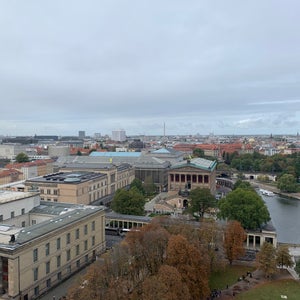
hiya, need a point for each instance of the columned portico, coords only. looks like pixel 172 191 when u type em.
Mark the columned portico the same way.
pixel 192 174
pixel 255 239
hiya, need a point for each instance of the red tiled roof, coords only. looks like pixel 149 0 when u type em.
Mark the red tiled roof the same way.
pixel 39 162
pixel 184 147
pixel 9 172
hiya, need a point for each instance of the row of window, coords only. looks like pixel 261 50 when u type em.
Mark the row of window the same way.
pixel 48 199
pixel 58 275
pixel 94 187
pixel 186 178
pixel 48 192
pixel 68 241
pixel 58 259
pixel 12 214
pixel 96 195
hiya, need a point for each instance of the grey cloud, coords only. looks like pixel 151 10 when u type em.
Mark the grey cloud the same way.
pixel 199 66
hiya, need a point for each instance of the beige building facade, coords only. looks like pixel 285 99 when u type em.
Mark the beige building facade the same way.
pixel 63 239
pixel 10 175
pixel 33 169
pixel 118 176
pixel 70 187
pixel 190 174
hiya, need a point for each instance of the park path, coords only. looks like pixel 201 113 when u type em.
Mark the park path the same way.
pixel 249 282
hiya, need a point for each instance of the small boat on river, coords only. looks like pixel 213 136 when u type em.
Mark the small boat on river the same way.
pixel 266 193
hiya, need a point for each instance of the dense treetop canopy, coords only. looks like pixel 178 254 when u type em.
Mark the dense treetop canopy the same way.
pixel 245 206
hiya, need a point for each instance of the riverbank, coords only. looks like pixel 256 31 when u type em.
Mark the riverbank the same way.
pixel 274 189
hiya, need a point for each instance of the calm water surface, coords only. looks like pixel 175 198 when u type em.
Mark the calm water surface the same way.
pixel 285 214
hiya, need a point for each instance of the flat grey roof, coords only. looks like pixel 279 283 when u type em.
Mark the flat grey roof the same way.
pixel 9 196
pixel 67 177
pixel 114 215
pixel 63 215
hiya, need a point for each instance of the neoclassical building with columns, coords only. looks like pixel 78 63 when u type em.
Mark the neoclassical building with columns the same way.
pixel 190 174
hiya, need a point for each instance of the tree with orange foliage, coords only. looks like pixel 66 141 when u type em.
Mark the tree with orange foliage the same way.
pixel 266 259
pixel 93 285
pixel 211 240
pixel 234 240
pixel 147 247
pixel 167 285
pixel 191 264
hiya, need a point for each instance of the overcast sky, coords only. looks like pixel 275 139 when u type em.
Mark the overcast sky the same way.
pixel 227 67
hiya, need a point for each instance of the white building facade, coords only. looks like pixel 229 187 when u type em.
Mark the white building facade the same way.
pixel 119 135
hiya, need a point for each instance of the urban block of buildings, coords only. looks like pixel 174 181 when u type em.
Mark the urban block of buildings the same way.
pixel 42 243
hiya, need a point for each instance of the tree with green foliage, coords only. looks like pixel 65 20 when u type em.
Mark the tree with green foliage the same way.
pixel 201 200
pixel 287 183
pixel 242 184
pixel 22 157
pixel 245 206
pixel 266 259
pixel 129 202
pixel 198 152
pixel 297 267
pixel 283 257
pixel 138 184
pixel 79 153
pixel 149 186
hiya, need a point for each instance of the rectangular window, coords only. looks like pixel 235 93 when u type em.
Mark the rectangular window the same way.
pixel 36 291
pixel 55 192
pixel 48 192
pixel 77 234
pixel 86 258
pixel 35 274
pixel 78 263
pixel 58 261
pixel 85 229
pixel 33 222
pixel 47 249
pixel 93 240
pixel 93 226
pixel 68 238
pixel 23 211
pixel 12 214
pixel 1 218
pixel 58 244
pixel 47 267
pixel 77 249
pixel 68 255
pixel 48 283
pixel 35 254
pixel 85 245
pixel 42 191
pixel 59 276
pixel 23 224
pixel 69 269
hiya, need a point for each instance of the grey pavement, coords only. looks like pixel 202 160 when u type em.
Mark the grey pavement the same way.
pixel 62 289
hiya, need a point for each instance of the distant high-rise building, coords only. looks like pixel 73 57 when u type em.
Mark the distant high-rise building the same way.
pixel 119 135
pixel 97 135
pixel 81 134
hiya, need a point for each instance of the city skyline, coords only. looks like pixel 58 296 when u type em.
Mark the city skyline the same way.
pixel 199 67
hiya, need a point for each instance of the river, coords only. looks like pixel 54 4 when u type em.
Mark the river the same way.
pixel 285 216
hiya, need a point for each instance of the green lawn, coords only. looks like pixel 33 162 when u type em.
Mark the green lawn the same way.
pixel 273 290
pixel 230 275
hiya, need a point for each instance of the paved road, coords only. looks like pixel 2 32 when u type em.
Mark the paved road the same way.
pixel 62 289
